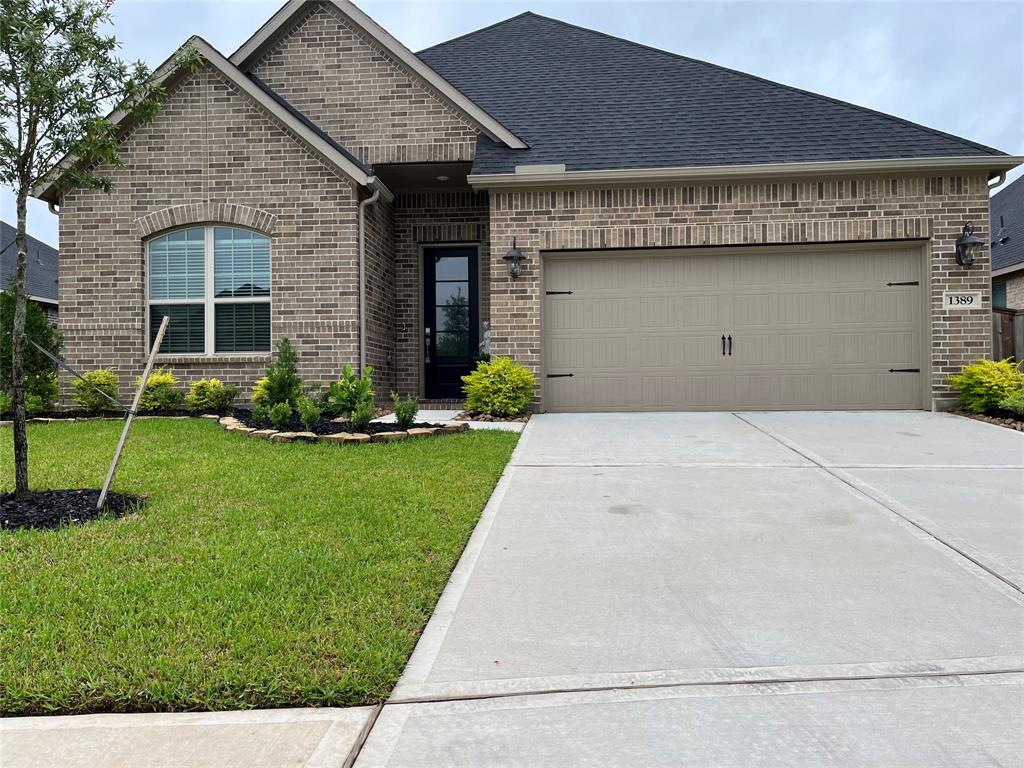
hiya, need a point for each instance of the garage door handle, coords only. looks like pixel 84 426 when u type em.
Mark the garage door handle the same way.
pixel 723 345
pixel 560 375
pixel 904 370
pixel 906 282
pixel 730 345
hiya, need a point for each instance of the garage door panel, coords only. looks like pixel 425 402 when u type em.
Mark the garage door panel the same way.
pixel 809 330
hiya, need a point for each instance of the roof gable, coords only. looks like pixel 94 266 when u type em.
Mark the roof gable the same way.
pixel 607 103
pixel 43 264
pixel 1008 205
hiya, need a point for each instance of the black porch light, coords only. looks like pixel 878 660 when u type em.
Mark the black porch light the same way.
pixel 514 258
pixel 968 247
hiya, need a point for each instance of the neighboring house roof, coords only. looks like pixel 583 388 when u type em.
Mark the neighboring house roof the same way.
pixel 314 139
pixel 1008 239
pixel 593 101
pixel 282 21
pixel 42 269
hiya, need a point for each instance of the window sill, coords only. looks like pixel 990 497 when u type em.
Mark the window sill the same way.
pixel 230 357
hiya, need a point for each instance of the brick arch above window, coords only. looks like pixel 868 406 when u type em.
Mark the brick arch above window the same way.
pixel 203 213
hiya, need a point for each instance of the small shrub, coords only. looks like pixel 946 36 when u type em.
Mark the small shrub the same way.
pixel 34 405
pixel 309 413
pixel 85 394
pixel 44 386
pixel 500 387
pixel 405 410
pixel 210 395
pixel 1014 403
pixel 161 392
pixel 344 396
pixel 40 371
pixel 363 415
pixel 6 403
pixel 261 413
pixel 282 383
pixel 280 415
pixel 983 384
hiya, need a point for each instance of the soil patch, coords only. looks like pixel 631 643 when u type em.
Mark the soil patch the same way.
pixel 57 508
pixel 478 416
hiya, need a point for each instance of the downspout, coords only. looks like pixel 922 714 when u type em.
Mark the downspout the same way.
pixel 372 183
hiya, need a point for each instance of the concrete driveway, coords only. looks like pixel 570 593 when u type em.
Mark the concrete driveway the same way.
pixel 784 589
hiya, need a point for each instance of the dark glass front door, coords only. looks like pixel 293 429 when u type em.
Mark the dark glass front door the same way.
pixel 451 317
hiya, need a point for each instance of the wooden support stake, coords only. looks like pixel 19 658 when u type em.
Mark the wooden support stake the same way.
pixel 131 414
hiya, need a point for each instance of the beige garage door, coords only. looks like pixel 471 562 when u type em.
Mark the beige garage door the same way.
pixel 755 329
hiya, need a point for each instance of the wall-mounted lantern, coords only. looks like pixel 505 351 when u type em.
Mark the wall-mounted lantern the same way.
pixel 514 258
pixel 968 247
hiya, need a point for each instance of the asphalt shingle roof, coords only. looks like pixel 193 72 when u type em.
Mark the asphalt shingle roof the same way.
pixel 43 264
pixel 1008 203
pixel 593 101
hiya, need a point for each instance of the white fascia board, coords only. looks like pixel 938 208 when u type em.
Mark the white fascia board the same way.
pixel 1008 270
pixel 269 32
pixel 988 163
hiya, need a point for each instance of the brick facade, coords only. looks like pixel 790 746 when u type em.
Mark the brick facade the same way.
pixel 923 208
pixel 1014 291
pixel 360 96
pixel 426 219
pixel 211 155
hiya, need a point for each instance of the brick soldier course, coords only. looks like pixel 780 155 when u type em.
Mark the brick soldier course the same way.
pixel 219 153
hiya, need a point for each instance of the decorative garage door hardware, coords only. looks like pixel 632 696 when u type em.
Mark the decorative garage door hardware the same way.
pixel 906 282
pixel 724 340
pixel 561 375
pixel 557 293
pixel 904 370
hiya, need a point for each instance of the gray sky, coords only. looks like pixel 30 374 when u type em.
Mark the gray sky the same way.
pixel 955 66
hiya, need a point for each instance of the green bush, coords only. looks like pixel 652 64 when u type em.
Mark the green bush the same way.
pixel 983 384
pixel 34 405
pixel 344 396
pixel 40 372
pixel 309 412
pixel 363 415
pixel 6 403
pixel 210 395
pixel 282 383
pixel 500 387
pixel 85 394
pixel 161 392
pixel 261 413
pixel 1014 403
pixel 280 415
pixel 405 410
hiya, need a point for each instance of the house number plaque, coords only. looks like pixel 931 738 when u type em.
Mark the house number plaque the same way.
pixel 961 299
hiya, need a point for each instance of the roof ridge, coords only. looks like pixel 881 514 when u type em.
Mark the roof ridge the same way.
pixel 472 32
pixel 793 88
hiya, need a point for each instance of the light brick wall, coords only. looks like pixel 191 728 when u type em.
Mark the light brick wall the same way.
pixel 431 218
pixel 380 296
pixel 364 99
pixel 1015 292
pixel 209 148
pixel 931 209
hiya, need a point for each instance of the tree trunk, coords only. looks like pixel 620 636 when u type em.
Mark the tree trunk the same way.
pixel 18 349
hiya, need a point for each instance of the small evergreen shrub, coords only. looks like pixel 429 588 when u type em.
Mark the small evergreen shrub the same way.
pixel 85 394
pixel 280 415
pixel 405 410
pixel 1014 404
pixel 161 392
pixel 6 403
pixel 282 383
pixel 34 405
pixel 363 415
pixel 261 413
pixel 499 387
pixel 984 384
pixel 344 395
pixel 309 412
pixel 210 395
pixel 40 371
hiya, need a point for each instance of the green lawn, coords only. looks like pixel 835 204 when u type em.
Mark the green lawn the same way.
pixel 257 575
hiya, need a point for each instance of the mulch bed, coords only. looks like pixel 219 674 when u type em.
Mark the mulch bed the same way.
pixel 999 418
pixel 478 416
pixel 55 509
pixel 325 426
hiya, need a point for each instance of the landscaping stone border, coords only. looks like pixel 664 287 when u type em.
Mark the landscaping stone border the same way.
pixel 999 421
pixel 231 424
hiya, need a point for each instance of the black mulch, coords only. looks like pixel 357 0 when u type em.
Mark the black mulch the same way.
pixel 324 427
pixel 54 509
pixel 82 414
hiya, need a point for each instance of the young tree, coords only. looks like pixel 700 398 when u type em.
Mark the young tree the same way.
pixel 59 75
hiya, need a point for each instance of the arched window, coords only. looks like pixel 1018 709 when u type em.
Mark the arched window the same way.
pixel 214 283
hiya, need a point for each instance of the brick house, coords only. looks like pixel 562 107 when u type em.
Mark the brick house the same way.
pixel 42 274
pixel 693 237
pixel 1007 212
